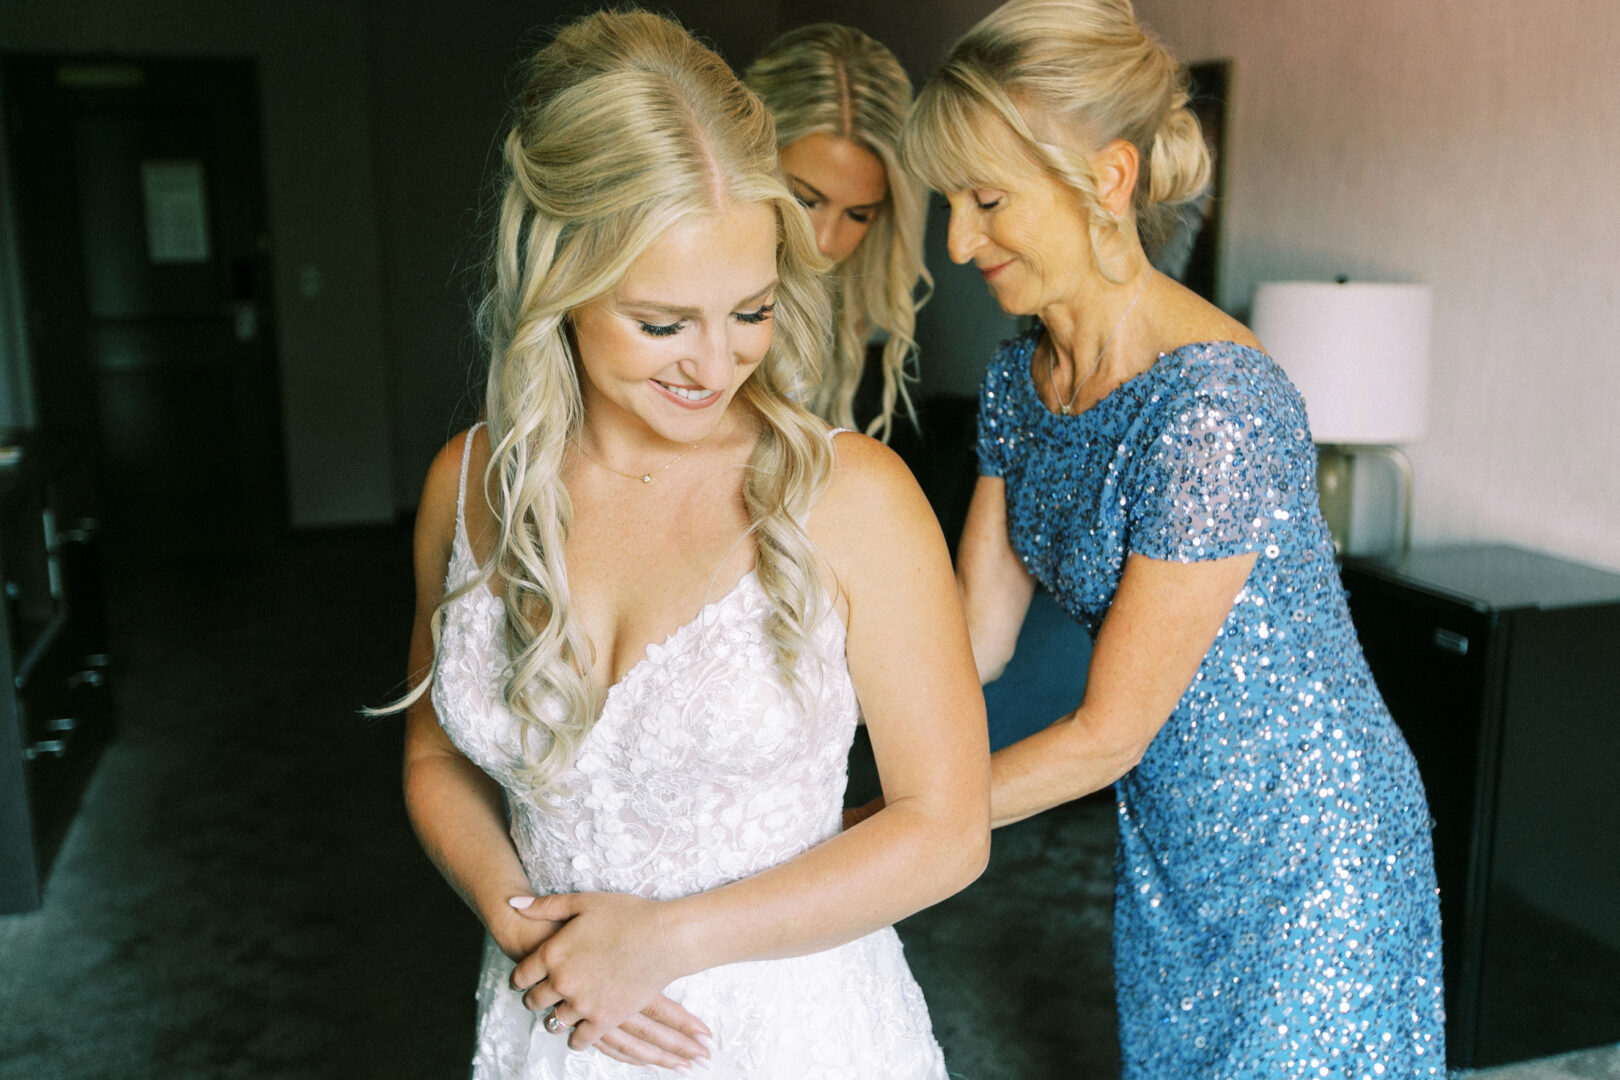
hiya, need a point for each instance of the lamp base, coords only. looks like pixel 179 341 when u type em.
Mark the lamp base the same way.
pixel 1335 476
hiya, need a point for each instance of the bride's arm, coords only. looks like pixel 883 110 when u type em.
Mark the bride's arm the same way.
pixel 458 810
pixel 455 807
pixel 913 670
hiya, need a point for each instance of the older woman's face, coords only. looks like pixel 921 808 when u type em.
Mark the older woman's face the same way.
pixel 1028 236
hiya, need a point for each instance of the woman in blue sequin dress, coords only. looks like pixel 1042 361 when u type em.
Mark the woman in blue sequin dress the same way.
pixel 1147 462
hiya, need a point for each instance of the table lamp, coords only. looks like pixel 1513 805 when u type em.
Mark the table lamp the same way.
pixel 1359 353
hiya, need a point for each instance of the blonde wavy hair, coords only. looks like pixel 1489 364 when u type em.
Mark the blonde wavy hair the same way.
pixel 1065 77
pixel 626 126
pixel 835 80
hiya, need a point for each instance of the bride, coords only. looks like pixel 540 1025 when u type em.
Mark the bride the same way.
pixel 653 595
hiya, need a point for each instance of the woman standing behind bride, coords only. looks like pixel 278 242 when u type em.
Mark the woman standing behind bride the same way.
pixel 839 99
pixel 649 609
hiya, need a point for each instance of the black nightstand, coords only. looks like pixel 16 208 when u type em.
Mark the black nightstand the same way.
pixel 1502 668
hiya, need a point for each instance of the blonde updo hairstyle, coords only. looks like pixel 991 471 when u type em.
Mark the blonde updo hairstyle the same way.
pixel 625 127
pixel 1065 77
pixel 835 80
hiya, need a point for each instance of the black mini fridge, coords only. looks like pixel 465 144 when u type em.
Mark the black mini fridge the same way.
pixel 1502 668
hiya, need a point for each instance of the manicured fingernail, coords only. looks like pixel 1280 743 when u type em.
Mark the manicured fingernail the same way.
pixel 706 1042
pixel 521 902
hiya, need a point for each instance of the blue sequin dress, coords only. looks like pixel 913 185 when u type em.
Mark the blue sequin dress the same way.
pixel 1275 904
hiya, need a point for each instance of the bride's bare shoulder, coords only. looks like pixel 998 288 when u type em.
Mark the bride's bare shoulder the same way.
pixel 441 492
pixel 872 509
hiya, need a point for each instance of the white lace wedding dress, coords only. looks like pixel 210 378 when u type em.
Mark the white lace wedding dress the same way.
pixel 701 770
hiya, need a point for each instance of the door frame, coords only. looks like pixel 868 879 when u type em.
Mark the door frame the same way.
pixel 41 95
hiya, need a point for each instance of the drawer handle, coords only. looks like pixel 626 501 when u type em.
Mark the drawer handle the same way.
pixel 91 677
pixel 1451 641
pixel 53 747
pixel 85 533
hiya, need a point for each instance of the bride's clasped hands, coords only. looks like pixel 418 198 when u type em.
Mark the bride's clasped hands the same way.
pixel 553 968
pixel 607 957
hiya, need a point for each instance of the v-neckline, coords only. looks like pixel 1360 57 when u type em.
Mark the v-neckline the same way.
pixel 462 541
pixel 698 620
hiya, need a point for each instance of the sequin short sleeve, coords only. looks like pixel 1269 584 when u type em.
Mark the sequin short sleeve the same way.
pixel 996 423
pixel 1214 473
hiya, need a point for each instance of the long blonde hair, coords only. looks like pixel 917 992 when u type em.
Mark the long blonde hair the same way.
pixel 833 79
pixel 624 127
pixel 1065 77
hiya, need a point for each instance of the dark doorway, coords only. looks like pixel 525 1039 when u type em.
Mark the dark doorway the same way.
pixel 144 249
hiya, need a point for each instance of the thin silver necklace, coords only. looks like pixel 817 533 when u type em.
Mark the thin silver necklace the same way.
pixel 646 477
pixel 1051 354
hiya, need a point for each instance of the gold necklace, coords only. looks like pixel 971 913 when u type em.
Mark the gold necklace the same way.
pixel 646 477
pixel 1051 354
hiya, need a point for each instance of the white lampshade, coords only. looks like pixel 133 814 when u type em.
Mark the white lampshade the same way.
pixel 1357 351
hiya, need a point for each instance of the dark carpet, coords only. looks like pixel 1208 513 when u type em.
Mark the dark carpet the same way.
pixel 240 895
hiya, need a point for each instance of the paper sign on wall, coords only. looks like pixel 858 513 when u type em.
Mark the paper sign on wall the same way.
pixel 176 215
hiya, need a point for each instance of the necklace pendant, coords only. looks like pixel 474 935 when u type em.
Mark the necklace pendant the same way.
pixel 646 478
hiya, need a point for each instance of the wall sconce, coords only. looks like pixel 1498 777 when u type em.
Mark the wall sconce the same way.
pixel 1359 353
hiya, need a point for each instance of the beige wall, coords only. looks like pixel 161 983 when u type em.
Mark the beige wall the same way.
pixel 315 112
pixel 1473 146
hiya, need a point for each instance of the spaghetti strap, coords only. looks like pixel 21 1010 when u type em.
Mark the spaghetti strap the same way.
pixel 832 432
pixel 461 492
